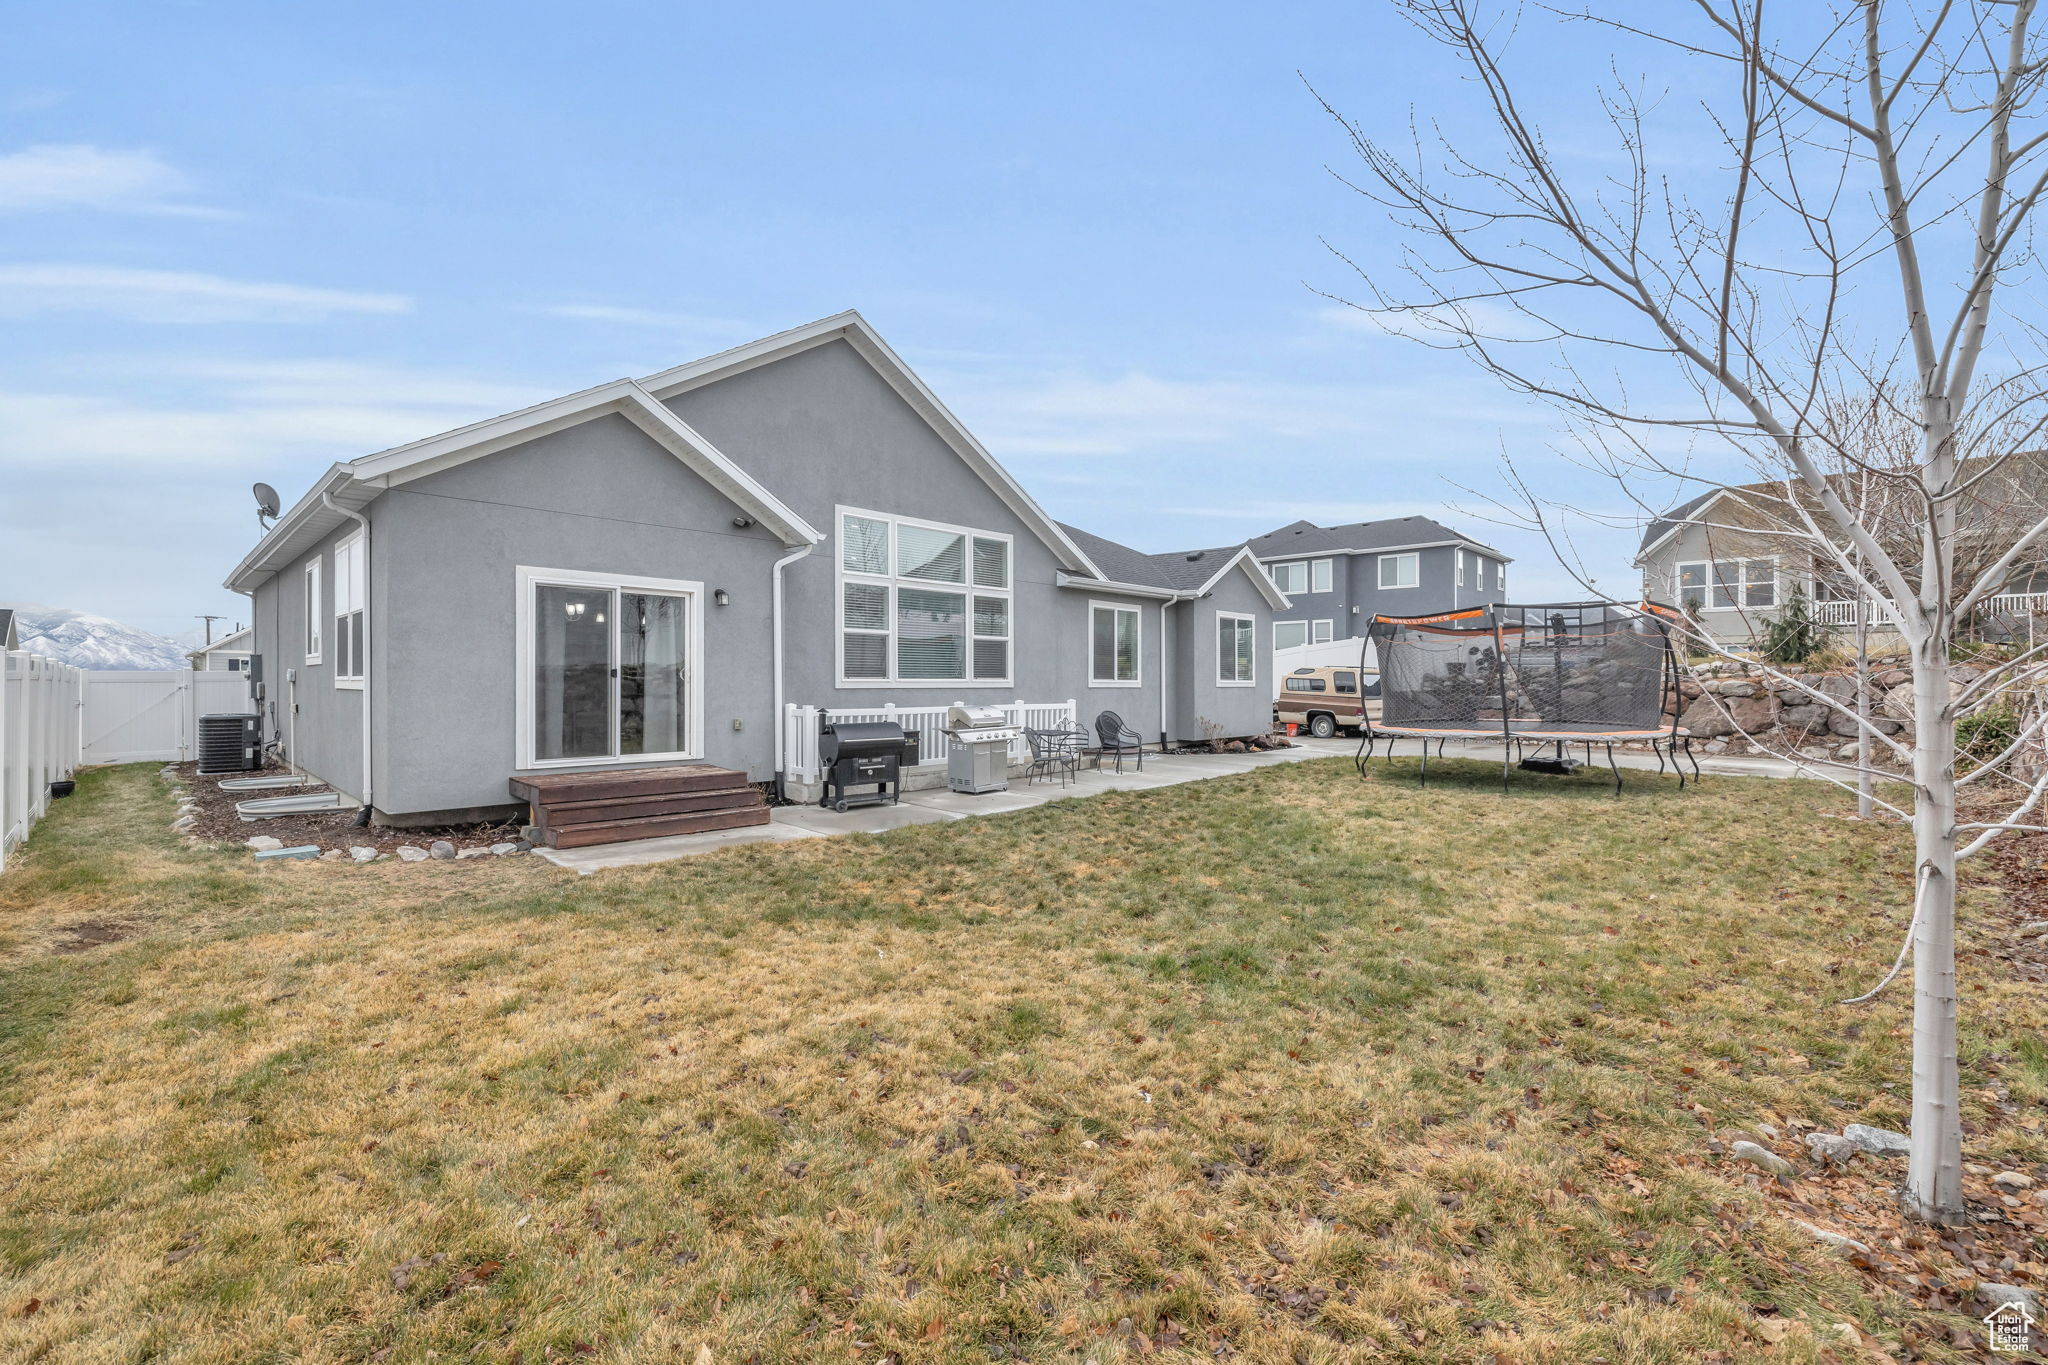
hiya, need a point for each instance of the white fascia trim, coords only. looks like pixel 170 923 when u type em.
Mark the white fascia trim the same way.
pixel 856 331
pixel 1062 579
pixel 1245 559
pixel 359 481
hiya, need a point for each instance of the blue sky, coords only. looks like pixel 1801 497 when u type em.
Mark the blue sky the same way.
pixel 240 241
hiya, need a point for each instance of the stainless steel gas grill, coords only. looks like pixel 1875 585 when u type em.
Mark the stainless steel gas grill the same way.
pixel 862 754
pixel 978 754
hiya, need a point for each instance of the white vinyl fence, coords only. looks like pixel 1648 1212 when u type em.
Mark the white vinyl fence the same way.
pixel 152 715
pixel 39 710
pixel 800 729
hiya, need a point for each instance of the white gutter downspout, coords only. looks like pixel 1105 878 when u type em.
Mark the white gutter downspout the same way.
pixel 369 651
pixel 775 629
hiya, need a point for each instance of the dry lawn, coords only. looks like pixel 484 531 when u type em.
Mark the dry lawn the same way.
pixel 1278 1068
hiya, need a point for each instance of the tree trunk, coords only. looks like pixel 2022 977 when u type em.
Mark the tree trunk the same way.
pixel 1934 1176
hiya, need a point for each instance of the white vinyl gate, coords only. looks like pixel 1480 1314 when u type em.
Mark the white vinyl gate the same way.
pixel 152 715
pixel 39 709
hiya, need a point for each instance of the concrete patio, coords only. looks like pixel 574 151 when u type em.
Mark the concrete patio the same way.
pixel 933 806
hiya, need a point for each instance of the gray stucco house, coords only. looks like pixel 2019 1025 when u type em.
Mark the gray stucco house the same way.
pixel 1337 578
pixel 656 570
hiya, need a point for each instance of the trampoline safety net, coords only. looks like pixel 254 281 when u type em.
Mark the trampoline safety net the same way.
pixel 1592 669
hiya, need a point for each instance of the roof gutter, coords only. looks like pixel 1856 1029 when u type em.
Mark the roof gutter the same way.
pixel 1073 580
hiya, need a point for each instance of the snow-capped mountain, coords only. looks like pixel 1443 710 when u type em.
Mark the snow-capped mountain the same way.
pixel 86 641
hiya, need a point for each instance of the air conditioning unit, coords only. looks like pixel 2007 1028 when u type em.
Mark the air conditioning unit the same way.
pixel 230 744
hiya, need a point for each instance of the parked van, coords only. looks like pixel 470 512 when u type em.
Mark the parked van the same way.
pixel 1324 700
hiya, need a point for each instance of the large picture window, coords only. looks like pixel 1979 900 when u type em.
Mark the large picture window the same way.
pixel 607 668
pixel 921 603
pixel 1234 664
pixel 351 594
pixel 1729 583
pixel 1400 571
pixel 1112 645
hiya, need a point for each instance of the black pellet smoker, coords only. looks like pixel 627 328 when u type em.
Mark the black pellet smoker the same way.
pixel 862 753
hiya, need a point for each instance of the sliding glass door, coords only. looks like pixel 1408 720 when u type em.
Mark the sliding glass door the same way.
pixel 608 671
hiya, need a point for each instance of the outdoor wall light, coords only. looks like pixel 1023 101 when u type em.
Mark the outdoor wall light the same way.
pixel 721 596
pixel 743 521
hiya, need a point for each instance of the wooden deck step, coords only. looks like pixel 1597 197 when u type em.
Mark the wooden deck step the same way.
pixel 550 788
pixel 558 813
pixel 651 827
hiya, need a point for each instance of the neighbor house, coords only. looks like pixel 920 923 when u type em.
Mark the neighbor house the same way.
pixel 1734 556
pixel 228 654
pixel 659 571
pixel 1338 578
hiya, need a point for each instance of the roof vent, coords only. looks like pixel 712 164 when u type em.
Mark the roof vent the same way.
pixel 1196 555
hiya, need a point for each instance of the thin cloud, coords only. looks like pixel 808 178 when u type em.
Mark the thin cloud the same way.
pixel 173 296
pixel 272 415
pixel 79 175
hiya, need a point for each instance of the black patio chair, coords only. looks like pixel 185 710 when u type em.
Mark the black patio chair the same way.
pixel 1118 739
pixel 1053 751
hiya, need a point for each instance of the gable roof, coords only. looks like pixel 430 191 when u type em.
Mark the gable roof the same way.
pixel 1391 533
pixel 227 642
pixel 854 329
pixel 352 485
pixel 1191 573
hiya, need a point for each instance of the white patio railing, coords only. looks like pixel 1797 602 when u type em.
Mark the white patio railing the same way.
pixel 2016 604
pixel 800 729
pixel 40 701
pixel 1845 613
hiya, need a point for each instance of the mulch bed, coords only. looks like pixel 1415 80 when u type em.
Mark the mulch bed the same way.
pixel 216 821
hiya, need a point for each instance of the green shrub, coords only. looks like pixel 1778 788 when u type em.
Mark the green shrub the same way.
pixel 1793 636
pixel 1985 735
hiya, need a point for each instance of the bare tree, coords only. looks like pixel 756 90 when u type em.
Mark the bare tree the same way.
pixel 1870 199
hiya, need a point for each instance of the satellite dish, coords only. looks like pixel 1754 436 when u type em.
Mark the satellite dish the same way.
pixel 266 500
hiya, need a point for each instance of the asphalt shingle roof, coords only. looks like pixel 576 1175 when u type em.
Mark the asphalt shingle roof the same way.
pixel 1305 537
pixel 1181 571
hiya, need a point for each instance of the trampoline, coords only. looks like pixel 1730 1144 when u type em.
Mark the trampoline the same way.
pixel 1549 678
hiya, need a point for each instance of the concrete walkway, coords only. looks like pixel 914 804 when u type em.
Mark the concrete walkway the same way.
pixel 934 806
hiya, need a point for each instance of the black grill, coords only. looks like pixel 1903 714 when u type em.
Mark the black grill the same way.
pixel 866 753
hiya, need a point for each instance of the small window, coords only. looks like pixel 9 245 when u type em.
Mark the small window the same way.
pixel 1347 683
pixel 1290 578
pixel 1372 685
pixel 1290 634
pixel 316 608
pixel 1319 575
pixel 351 593
pixel 1400 571
pixel 1112 645
pixel 1728 584
pixel 1234 662
pixel 1304 684
pixel 1319 632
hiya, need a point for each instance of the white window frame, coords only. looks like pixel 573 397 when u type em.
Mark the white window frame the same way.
pixel 349 563
pixel 1320 575
pixel 1321 632
pixel 892 580
pixel 1275 572
pixel 529 580
pixel 1279 626
pixel 315 604
pixel 1216 633
pixel 1137 679
pixel 1743 583
pixel 1413 558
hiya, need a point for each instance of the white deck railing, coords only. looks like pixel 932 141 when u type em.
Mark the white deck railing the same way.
pixel 40 700
pixel 800 729
pixel 2016 604
pixel 1845 613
